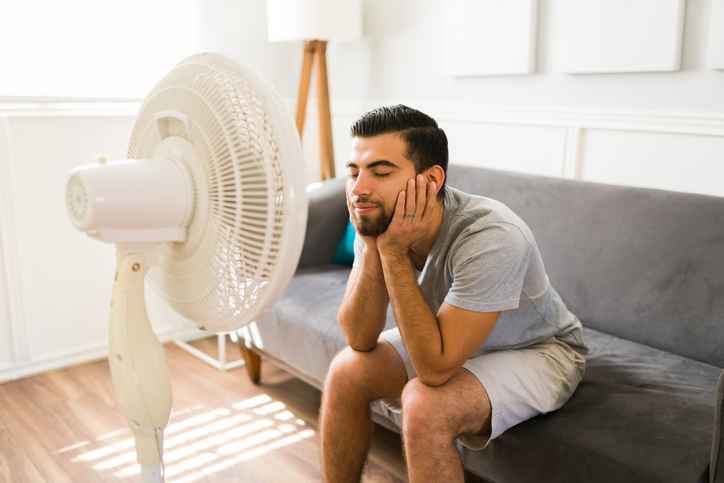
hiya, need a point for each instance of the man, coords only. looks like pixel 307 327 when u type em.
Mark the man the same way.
pixel 483 341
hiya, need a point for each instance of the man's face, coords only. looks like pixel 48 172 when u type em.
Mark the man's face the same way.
pixel 377 171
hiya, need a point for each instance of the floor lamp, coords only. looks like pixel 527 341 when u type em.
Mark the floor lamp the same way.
pixel 315 22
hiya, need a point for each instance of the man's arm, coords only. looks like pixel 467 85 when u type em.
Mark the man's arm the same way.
pixel 363 311
pixel 438 345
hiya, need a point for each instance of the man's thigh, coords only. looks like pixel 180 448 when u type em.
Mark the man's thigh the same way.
pixel 524 383
pixel 463 398
pixel 551 370
pixel 390 370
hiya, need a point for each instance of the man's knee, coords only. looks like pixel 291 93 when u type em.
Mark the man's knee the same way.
pixel 445 411
pixel 423 413
pixel 351 371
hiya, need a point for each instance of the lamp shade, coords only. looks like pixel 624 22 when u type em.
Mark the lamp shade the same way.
pixel 337 20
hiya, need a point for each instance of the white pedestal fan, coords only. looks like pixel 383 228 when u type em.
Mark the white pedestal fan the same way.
pixel 210 204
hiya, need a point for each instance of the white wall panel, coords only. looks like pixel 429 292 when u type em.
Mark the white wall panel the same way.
pixel 620 35
pixel 6 342
pixel 8 337
pixel 677 151
pixel 668 161
pixel 716 35
pixel 490 37
pixel 65 277
pixel 501 146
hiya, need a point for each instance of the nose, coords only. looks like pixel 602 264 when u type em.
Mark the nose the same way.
pixel 362 186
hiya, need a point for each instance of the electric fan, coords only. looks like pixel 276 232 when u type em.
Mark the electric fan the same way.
pixel 210 204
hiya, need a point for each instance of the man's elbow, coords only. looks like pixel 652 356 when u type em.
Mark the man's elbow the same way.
pixel 355 342
pixel 435 378
pixel 361 347
pixel 360 343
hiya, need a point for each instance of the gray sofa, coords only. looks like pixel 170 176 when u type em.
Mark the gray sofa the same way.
pixel 644 271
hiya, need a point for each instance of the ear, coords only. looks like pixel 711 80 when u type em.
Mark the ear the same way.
pixel 436 174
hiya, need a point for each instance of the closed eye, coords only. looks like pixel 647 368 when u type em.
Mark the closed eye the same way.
pixel 377 175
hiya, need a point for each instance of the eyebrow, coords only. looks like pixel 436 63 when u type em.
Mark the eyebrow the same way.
pixel 374 164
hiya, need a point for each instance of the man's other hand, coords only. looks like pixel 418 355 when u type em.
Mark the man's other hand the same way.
pixel 411 219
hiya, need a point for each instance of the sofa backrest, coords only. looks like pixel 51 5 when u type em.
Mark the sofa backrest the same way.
pixel 643 264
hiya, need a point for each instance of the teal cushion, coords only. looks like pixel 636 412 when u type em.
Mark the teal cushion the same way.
pixel 345 248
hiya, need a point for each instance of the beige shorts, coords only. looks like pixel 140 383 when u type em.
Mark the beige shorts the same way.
pixel 521 383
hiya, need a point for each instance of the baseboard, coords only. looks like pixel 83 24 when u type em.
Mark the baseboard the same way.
pixel 84 355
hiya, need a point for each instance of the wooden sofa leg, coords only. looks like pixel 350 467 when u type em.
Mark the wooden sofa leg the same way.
pixel 252 361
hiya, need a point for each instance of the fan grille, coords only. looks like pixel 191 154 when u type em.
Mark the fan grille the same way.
pixel 220 275
pixel 76 197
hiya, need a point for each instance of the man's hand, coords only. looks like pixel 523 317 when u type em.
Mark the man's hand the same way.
pixel 412 216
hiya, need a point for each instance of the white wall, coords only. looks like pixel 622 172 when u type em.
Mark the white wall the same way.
pixel 238 29
pixel 55 282
pixel 402 57
pixel 648 129
pixel 6 336
pixel 82 49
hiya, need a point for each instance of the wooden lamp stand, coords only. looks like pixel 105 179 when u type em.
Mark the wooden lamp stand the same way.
pixel 317 49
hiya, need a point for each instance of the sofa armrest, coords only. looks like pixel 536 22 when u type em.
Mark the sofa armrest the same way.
pixel 716 470
pixel 326 221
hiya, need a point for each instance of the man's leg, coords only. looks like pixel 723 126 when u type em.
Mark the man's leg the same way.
pixel 432 417
pixel 354 380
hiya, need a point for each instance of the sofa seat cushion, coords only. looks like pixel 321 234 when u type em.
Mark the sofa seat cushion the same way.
pixel 302 328
pixel 640 414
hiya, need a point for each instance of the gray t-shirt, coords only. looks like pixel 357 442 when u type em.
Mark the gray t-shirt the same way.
pixel 486 259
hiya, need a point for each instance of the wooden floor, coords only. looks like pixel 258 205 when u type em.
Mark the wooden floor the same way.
pixel 64 426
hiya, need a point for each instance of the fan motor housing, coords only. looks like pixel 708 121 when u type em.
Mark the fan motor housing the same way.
pixel 131 200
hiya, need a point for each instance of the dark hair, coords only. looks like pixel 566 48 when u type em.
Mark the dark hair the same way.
pixel 426 143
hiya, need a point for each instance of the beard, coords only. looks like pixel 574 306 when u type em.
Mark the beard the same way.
pixel 373 225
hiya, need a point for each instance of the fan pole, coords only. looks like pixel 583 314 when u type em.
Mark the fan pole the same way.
pixel 138 363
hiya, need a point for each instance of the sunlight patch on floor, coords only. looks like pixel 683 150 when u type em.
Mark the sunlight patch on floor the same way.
pixel 200 441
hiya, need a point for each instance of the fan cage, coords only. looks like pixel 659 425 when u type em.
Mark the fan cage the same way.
pixel 250 212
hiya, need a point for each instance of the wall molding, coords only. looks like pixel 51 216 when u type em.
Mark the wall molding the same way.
pixel 84 354
pixel 577 124
pixel 574 127
pixel 698 123
pixel 63 107
pixel 572 161
pixel 701 123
